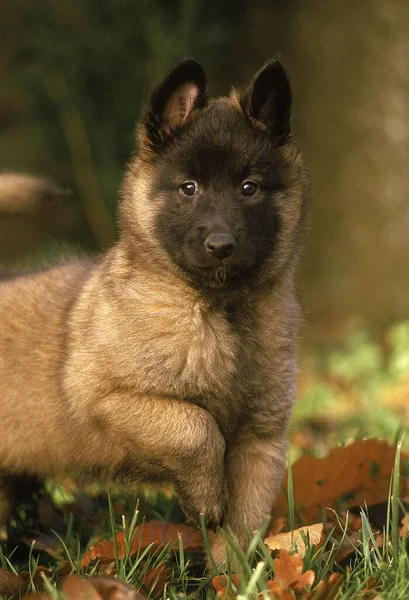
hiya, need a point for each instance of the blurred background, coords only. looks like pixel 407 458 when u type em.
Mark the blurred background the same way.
pixel 74 76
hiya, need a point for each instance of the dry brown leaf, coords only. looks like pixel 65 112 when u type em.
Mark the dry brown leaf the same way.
pixel 278 525
pixel 10 584
pixel 65 569
pixel 224 591
pixel 404 529
pixel 372 589
pixel 99 588
pixel 288 571
pixel 277 592
pixel 326 590
pixel 36 577
pixel 110 588
pixel 158 533
pixel 361 472
pixel 285 541
pixel 162 533
pixel 76 588
pixel 155 580
pixel 352 542
pixel 347 549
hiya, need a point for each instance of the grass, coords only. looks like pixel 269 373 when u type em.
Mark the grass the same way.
pixel 349 391
pixel 387 564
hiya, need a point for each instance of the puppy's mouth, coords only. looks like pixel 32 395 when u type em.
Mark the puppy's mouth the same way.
pixel 219 277
pixel 213 273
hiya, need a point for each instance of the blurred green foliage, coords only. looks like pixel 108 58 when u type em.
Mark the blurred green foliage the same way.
pixel 99 60
pixel 356 389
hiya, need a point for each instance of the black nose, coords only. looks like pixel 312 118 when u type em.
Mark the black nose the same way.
pixel 220 245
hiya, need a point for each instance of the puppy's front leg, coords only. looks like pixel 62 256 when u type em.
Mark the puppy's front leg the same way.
pixel 255 468
pixel 178 441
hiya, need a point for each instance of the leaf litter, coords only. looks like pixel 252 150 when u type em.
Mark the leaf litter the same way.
pixel 349 479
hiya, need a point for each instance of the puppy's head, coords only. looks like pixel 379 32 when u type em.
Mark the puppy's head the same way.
pixel 218 187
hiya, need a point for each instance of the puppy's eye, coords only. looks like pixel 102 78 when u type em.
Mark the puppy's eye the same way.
pixel 189 188
pixel 249 188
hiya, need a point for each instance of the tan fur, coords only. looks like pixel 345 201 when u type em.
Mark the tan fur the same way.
pixel 119 366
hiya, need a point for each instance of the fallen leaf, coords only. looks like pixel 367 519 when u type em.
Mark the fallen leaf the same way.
pixel 278 525
pixel 371 590
pixel 155 580
pixel 76 588
pixel 351 542
pixel 110 588
pixel 326 590
pixel 104 551
pixel 348 548
pixel 158 533
pixel 360 473
pixel 10 584
pixel 35 576
pixel 288 571
pixel 224 588
pixel 378 513
pixel 65 568
pixel 404 529
pixel 277 592
pixel 162 533
pixel 285 541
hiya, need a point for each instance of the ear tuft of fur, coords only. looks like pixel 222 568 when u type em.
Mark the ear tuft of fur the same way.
pixel 183 90
pixel 269 98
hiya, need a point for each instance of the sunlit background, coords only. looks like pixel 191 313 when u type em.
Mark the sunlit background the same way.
pixel 74 76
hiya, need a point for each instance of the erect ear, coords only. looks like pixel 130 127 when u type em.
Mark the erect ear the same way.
pixel 268 99
pixel 183 90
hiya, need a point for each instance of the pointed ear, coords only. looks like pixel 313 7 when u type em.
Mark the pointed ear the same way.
pixel 183 90
pixel 268 99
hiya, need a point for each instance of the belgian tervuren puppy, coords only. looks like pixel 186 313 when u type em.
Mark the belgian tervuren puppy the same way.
pixel 174 356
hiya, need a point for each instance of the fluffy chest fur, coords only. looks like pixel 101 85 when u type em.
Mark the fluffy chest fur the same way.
pixel 156 339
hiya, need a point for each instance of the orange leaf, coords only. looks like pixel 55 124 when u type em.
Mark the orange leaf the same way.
pixel 371 590
pixel 360 471
pixel 222 587
pixel 158 533
pixel 278 525
pixel 288 571
pixel 162 533
pixel 326 590
pixel 104 551
pixel 155 580
pixel 404 529
pixel 277 592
